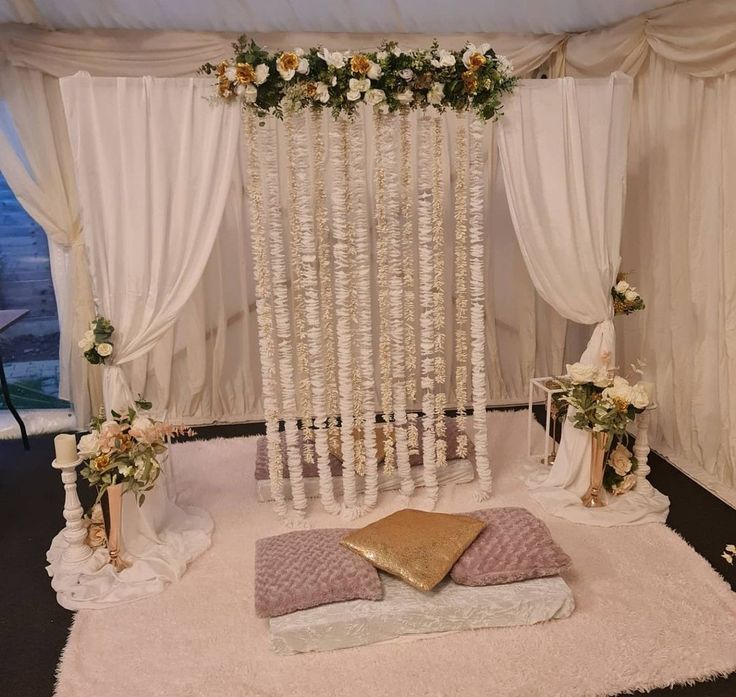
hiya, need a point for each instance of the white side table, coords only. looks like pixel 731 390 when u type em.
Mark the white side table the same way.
pixel 540 385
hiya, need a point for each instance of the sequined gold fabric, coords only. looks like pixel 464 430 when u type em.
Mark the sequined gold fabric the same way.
pixel 418 547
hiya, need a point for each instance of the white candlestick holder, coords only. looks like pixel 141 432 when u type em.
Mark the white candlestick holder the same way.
pixel 77 552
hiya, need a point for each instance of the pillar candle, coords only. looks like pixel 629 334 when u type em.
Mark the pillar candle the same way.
pixel 65 445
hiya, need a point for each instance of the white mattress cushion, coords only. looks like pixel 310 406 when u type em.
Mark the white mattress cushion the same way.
pixel 406 611
pixel 454 472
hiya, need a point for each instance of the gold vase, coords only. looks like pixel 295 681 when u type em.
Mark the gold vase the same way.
pixel 113 524
pixel 593 497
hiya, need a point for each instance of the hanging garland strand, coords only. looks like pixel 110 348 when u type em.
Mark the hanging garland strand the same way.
pixel 473 79
pixel 461 285
pixel 339 151
pixel 305 252
pixel 325 281
pixel 426 304
pixel 477 307
pixel 298 214
pixel 384 341
pixel 385 127
pixel 406 207
pixel 264 313
pixel 438 290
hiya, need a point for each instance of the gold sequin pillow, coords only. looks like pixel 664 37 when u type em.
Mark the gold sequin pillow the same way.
pixel 418 547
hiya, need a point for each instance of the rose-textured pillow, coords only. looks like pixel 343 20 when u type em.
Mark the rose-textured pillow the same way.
pixel 514 546
pixel 307 568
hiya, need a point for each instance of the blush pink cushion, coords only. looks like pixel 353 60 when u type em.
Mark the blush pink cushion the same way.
pixel 306 568
pixel 514 546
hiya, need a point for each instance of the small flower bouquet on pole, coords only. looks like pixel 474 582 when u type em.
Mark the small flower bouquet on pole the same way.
pixel 96 342
pixel 604 404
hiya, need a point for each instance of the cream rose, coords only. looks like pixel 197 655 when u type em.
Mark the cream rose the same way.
pixel 443 59
pixel 619 391
pixel 405 97
pixel 359 84
pixel 374 72
pixel 374 97
pixel 86 344
pixel 639 396
pixel 631 295
pixel 321 92
pixel 88 445
pixel 580 373
pixel 622 287
pixel 627 484
pixel 436 93
pixel 620 460
pixel 336 59
pixel 104 349
pixel 406 74
pixel 261 73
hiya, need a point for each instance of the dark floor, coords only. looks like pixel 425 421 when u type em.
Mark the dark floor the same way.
pixel 33 628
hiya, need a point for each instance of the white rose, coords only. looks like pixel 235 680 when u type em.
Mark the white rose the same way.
pixel 436 93
pixel 382 55
pixel 104 349
pixel 374 72
pixel 88 445
pixel 286 74
pixel 602 378
pixel 89 334
pixel 444 59
pixel 406 74
pixel 639 396
pixel 250 93
pixel 374 97
pixel 86 344
pixel 619 391
pixel 299 52
pixel 231 73
pixel 143 429
pixel 353 95
pixel 405 97
pixel 580 373
pixel 359 85
pixel 397 51
pixel 321 92
pixel 622 287
pixel 261 71
pixel 303 68
pixel 620 460
pixel 333 82
pixel 336 59
pixel 631 295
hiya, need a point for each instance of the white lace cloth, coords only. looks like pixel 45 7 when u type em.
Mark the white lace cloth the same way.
pixel 159 540
pixel 406 611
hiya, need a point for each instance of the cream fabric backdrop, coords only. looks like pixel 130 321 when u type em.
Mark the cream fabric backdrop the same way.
pixel 689 45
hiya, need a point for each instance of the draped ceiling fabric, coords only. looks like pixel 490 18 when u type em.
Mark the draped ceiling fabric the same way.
pixel 677 223
pixel 153 162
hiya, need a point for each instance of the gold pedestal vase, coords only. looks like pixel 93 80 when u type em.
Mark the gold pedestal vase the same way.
pixel 593 498
pixel 113 510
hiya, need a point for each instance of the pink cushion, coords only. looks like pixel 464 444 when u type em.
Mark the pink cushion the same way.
pixel 514 546
pixel 306 568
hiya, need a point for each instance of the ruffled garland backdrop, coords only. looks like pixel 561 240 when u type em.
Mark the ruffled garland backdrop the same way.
pixel 317 325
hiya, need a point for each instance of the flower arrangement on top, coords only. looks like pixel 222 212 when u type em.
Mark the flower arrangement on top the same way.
pixel 96 342
pixel 126 449
pixel 390 79
pixel 626 298
pixel 604 403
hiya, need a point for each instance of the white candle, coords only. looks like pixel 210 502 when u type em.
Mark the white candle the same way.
pixel 65 445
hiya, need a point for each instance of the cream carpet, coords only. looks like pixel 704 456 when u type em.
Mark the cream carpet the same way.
pixel 650 611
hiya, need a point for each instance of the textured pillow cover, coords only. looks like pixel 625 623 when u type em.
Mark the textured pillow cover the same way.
pixel 514 546
pixel 418 547
pixel 306 568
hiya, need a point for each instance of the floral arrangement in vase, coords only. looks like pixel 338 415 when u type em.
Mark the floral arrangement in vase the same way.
pixel 96 342
pixel 389 78
pixel 626 298
pixel 604 404
pixel 127 449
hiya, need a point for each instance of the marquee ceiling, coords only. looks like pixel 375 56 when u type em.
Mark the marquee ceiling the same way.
pixel 374 16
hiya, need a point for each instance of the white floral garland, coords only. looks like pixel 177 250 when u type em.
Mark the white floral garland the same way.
pixel 477 308
pixel 306 258
pixel 438 243
pixel 339 151
pixel 264 314
pixel 299 215
pixel 408 251
pixel 426 304
pixel 363 315
pixel 282 316
pixel 325 280
pixel 461 284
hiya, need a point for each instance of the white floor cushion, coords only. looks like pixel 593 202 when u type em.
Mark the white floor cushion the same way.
pixel 406 611
pixel 454 472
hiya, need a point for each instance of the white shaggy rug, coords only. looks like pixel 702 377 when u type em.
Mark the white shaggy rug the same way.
pixel 649 612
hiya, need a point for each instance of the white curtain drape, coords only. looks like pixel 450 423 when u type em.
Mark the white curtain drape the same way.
pixel 563 147
pixel 36 161
pixel 154 163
